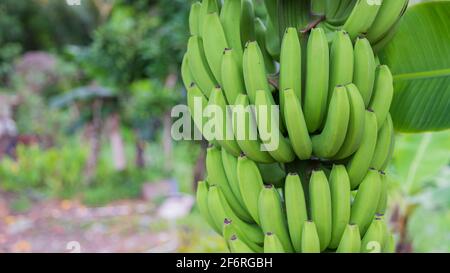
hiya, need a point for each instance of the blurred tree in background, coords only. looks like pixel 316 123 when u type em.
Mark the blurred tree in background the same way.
pixel 42 25
pixel 105 74
pixel 144 76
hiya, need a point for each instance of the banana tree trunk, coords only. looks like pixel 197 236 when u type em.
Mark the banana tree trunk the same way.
pixel 94 132
pixel 167 143
pixel 117 145
pixel 140 152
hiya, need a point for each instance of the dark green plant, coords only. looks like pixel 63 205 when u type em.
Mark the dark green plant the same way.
pixel 42 25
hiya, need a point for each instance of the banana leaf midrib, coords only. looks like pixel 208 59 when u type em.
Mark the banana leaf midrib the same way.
pixel 437 73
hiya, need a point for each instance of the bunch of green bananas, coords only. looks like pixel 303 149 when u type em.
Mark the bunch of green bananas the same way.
pixel 377 19
pixel 323 188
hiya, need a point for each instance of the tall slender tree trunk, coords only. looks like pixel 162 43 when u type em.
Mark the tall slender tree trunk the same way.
pixel 139 151
pixel 169 84
pixel 167 143
pixel 117 145
pixel 95 142
pixel 399 220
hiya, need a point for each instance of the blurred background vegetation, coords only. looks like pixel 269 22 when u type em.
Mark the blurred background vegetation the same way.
pixel 85 99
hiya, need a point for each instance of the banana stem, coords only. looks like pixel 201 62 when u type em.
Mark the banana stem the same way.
pixel 312 25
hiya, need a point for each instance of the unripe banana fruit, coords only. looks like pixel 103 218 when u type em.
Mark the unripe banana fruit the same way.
pixel 310 175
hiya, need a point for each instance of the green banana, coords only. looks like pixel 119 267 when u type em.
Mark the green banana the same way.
pixel 345 9
pixel 214 43
pixel 216 208
pixel 273 37
pixel 317 78
pixel 272 10
pixel 372 241
pixel 331 8
pixel 232 78
pixel 310 238
pixel 383 94
pixel 341 203
pixel 220 210
pixel 382 203
pixel 272 217
pixel 194 18
pixel 351 240
pixel 338 11
pixel 199 67
pixel 272 244
pixel 320 206
pixel 290 65
pixel 296 210
pixel 194 95
pixel 208 6
pixel 341 61
pixel 273 173
pixel 224 134
pixel 359 163
pixel 230 229
pixel 384 231
pixel 383 146
pixel 238 246
pixel 391 146
pixel 318 7
pixel 273 43
pixel 186 73
pixel 261 32
pixel 366 201
pixel 364 74
pixel 356 123
pixel 296 125
pixel 247 22
pixel 247 133
pixel 268 122
pixel 385 39
pixel 254 71
pixel 388 15
pixel 230 16
pixel 230 167
pixel 202 203
pixel 328 143
pixel 216 175
pixel 389 246
pixel 361 17
pixel 250 185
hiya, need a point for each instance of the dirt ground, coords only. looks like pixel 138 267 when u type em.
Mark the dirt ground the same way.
pixel 68 226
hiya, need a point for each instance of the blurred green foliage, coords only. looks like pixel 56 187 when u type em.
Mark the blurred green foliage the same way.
pixel 419 158
pixel 145 39
pixel 197 237
pixel 42 25
pixel 421 186
pixel 57 171
pixel 429 225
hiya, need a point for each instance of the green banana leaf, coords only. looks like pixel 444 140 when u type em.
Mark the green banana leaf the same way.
pixel 418 159
pixel 428 226
pixel 419 57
